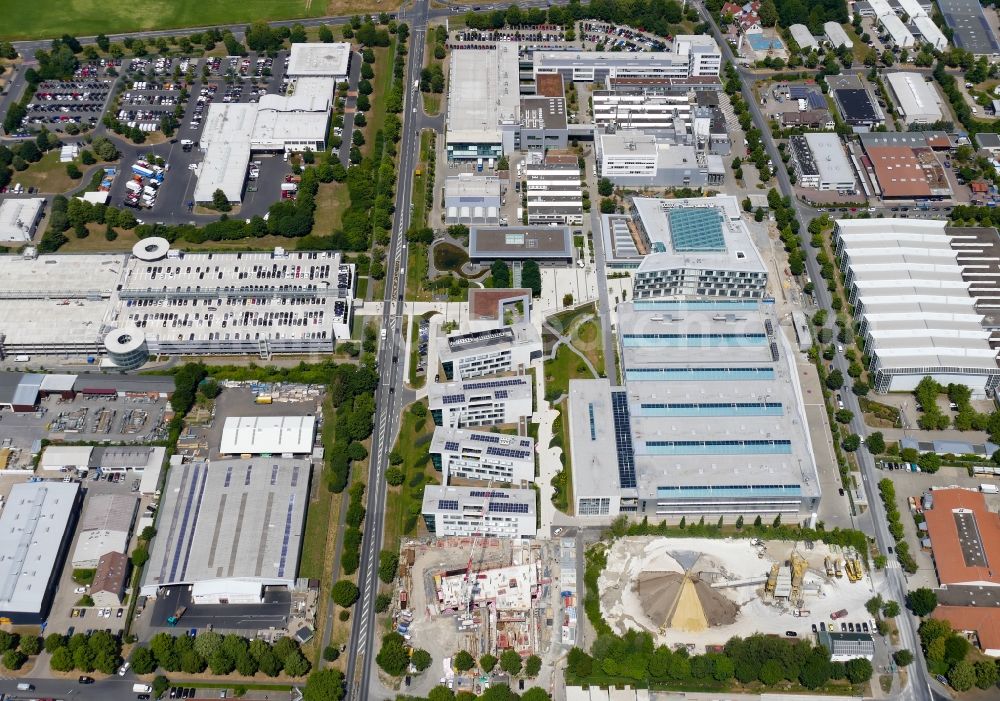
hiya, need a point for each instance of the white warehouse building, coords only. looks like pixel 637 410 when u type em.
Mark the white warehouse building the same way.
pixel 491 457
pixel 836 35
pixel 918 100
pixel 467 511
pixel 916 314
pixel 803 37
pixel 820 162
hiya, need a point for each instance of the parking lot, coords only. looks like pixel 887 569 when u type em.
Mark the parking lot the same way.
pixel 58 104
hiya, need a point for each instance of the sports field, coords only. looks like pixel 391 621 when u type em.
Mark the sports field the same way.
pixel 40 19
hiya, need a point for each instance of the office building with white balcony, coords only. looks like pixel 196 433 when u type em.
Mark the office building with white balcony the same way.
pixel 465 356
pixel 634 158
pixel 692 56
pixel 697 247
pixel 470 511
pixel 915 309
pixel 477 455
pixel 487 402
pixel 640 109
pixel 555 192
pixel 820 162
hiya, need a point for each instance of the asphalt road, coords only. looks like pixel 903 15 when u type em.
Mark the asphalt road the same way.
pixel 388 402
pixel 919 685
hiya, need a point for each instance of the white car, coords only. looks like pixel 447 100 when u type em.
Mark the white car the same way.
pixel 125 667
pixel 80 590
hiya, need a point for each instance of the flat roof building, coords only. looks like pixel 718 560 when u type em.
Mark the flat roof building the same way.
pixel 847 646
pixel 489 308
pixel 229 529
pixel 709 420
pixel 466 511
pixel 915 311
pixel 105 527
pixel 319 60
pixel 483 102
pixel 918 100
pixel 692 56
pixel 821 163
pixel 631 157
pixel 552 245
pixel 18 218
pixel 36 528
pixel 472 199
pixel 858 109
pixel 698 247
pixel 465 356
pixel 970 29
pixel 476 455
pixel 555 190
pixel 965 537
pixel 272 435
pixel 472 403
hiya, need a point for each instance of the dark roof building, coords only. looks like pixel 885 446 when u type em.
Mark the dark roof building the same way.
pixel 847 646
pixel 543 244
pixel 858 109
pixel 970 29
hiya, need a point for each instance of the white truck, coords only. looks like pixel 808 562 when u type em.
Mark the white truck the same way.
pixel 141 688
pixel 989 489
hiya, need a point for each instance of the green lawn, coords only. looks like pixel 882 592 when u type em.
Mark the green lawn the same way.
pixel 52 18
pixel 48 175
pixel 566 366
pixel 380 85
pixel 403 503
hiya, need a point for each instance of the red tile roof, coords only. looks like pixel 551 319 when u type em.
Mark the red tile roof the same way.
pixel 898 171
pixel 957 549
pixel 984 620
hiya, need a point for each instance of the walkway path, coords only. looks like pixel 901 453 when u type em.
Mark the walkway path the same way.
pixel 568 342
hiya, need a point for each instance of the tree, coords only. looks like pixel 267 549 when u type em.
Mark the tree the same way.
pixel 608 206
pixel 296 665
pixel 771 672
pixel 62 660
pixel 987 674
pixel 487 662
pixel 859 670
pixel 140 556
pixel 388 565
pixel 890 609
pixel 874 604
pixel 961 677
pixel 73 171
pixel 531 277
pixel 421 659
pixel 344 593
pixel 31 644
pixel 441 693
pixel 220 202
pixel 768 13
pixel 851 442
pixel 921 601
pixel 902 657
pixel 835 380
pixel 324 685
pixel 143 661
pixel 14 659
pixel 463 661
pixel 532 666
pixel 393 657
pixel 510 662
pixel 501 274
pixel 875 443
pixel 605 188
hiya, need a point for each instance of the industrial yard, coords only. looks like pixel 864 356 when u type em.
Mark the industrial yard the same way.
pixel 701 592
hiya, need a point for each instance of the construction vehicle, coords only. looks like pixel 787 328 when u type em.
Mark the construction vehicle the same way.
pixel 829 566
pixel 854 571
pixel 838 567
pixel 172 620
pixel 772 578
pixel 801 613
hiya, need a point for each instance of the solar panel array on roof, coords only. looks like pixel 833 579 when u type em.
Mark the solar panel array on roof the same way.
pixel 797 92
pixel 493 384
pixel 453 398
pixel 506 508
pixel 448 504
pixel 485 437
pixel 508 453
pixel 695 229
pixel 623 440
pixel 489 495
pixel 451 445
pixel 816 101
pixel 501 394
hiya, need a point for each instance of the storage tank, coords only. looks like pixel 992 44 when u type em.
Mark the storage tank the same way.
pixel 127 348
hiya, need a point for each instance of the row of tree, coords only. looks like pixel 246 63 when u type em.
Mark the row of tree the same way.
pixel 221 655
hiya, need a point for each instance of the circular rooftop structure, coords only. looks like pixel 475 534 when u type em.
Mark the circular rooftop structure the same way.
pixel 126 348
pixel 151 249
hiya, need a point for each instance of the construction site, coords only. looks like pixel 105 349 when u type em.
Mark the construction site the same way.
pixel 698 593
pixel 481 595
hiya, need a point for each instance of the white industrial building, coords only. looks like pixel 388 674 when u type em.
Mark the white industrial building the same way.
pixel 918 100
pixel 320 60
pixel 692 56
pixel 634 158
pixel 18 218
pixel 915 310
pixel 66 458
pixel 106 526
pixel 472 199
pixel 465 356
pixel 477 455
pixel 555 191
pixel 483 102
pixel 836 35
pixel 820 162
pixel 638 109
pixel 36 528
pixel 467 511
pixel 286 436
pixel 699 247
pixel 159 301
pixel 503 400
pixel 229 529
pixel 922 24
pixel 803 37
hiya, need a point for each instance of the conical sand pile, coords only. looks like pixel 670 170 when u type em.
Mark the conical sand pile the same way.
pixel 683 601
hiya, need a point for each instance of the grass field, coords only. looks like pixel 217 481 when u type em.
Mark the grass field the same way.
pixel 48 175
pixel 331 201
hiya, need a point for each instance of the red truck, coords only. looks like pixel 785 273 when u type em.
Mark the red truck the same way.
pixel 838 614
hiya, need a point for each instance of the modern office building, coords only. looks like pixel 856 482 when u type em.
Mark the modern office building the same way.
pixel 483 102
pixel 820 162
pixel 642 109
pixel 502 400
pixel 546 245
pixel 229 530
pixel 543 122
pixel 472 199
pixel 632 157
pixel 917 98
pixel 18 218
pixel 555 190
pixel 916 313
pixel 709 421
pixel 692 56
pixel 466 356
pixel 695 247
pixel 36 529
pixel 320 60
pixel 859 110
pixel 491 457
pixel 470 511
